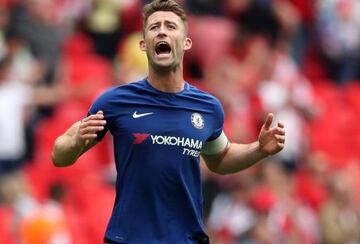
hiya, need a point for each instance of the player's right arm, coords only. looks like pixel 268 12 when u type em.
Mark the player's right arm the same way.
pixel 79 138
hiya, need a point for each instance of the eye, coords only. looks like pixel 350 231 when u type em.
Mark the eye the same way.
pixel 153 27
pixel 172 27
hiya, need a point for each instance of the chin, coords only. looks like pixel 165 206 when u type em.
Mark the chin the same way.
pixel 164 66
pixel 163 69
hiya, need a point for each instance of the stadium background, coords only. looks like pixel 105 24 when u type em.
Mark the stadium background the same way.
pixel 296 58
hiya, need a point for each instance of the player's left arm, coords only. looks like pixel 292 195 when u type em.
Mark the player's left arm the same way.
pixel 235 157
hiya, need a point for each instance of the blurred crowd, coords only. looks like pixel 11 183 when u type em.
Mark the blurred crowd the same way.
pixel 296 58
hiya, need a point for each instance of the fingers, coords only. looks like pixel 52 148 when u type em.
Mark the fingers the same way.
pixel 281 125
pixel 90 129
pixel 268 121
pixel 88 136
pixel 91 125
pixel 272 139
pixel 279 131
pixel 280 138
pixel 280 146
pixel 280 135
pixel 98 116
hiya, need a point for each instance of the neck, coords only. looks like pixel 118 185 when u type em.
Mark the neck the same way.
pixel 171 81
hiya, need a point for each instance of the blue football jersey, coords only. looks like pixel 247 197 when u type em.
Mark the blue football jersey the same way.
pixel 158 138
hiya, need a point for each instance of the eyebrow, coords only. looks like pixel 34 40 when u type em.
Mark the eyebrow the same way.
pixel 166 22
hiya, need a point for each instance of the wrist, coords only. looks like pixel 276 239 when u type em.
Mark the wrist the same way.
pixel 260 152
pixel 77 143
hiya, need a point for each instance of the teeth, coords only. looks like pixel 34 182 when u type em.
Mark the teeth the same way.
pixel 162 42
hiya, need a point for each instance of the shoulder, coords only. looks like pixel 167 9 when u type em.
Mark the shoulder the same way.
pixel 121 90
pixel 197 93
pixel 116 96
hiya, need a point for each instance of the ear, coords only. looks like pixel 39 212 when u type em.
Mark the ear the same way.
pixel 142 45
pixel 187 44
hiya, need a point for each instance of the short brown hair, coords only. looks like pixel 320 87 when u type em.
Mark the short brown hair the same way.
pixel 164 5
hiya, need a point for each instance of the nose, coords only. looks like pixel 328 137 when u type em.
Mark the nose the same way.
pixel 162 31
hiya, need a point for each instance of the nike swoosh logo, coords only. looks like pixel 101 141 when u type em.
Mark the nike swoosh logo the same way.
pixel 136 115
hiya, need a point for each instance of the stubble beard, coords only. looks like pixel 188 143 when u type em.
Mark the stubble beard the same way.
pixel 163 69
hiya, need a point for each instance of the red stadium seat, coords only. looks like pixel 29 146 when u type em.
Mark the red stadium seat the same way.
pixel 336 120
pixel 6 225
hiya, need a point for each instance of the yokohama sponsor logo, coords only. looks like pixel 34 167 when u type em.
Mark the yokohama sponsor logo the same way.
pixel 176 141
pixel 190 146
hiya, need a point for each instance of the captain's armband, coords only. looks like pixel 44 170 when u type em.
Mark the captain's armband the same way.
pixel 216 146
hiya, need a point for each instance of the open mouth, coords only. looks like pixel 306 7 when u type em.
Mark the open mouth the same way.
pixel 162 48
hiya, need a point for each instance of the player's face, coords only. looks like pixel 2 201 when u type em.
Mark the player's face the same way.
pixel 165 41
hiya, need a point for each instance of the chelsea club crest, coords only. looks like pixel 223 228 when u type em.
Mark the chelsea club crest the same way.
pixel 197 120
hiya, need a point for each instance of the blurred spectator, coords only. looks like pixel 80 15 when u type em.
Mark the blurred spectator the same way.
pixel 231 216
pixel 104 26
pixel 131 62
pixel 33 222
pixel 17 94
pixel 15 193
pixel 285 23
pixel 253 17
pixel 211 188
pixel 71 11
pixel 289 220
pixel 238 96
pixel 14 97
pixel 338 26
pixel 205 54
pixel 46 224
pixel 257 77
pixel 340 215
pixel 286 92
pixel 43 31
pixel 303 39
pixel 311 180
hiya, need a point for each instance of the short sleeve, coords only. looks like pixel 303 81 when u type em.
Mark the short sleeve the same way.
pixel 100 104
pixel 218 120
pixel 218 141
